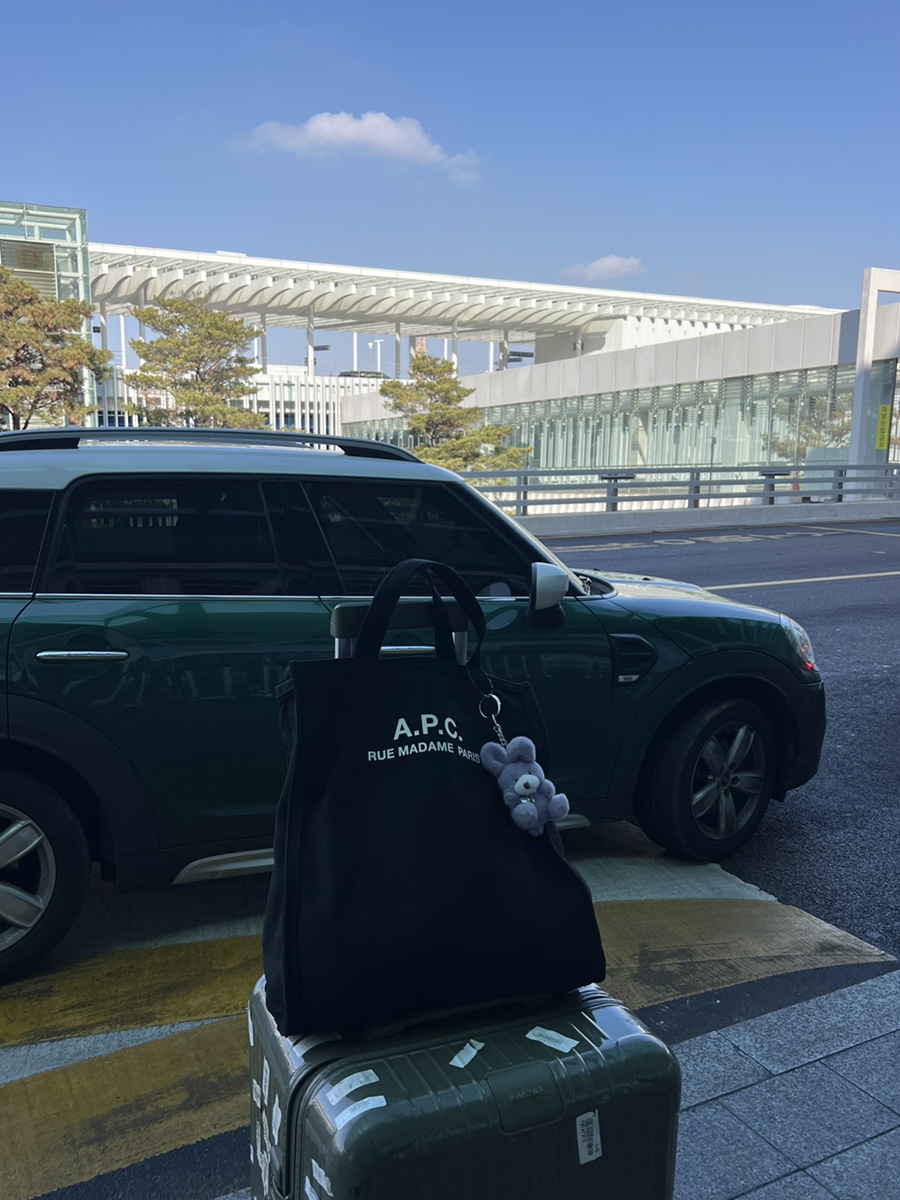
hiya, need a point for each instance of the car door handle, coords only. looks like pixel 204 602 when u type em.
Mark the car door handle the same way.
pixel 70 656
pixel 400 650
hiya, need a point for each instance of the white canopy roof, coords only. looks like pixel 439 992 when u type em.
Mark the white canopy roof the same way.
pixel 297 294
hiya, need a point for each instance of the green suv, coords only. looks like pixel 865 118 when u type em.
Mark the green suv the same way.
pixel 154 585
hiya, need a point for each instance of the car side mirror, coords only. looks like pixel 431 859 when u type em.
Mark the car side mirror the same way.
pixel 549 584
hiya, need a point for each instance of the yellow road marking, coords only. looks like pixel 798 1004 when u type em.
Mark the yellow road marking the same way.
pixel 730 587
pixel 660 950
pixel 130 989
pixel 74 1123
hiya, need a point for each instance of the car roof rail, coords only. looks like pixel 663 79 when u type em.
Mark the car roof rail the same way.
pixel 71 437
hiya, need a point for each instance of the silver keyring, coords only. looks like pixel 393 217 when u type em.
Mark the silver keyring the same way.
pixel 490 716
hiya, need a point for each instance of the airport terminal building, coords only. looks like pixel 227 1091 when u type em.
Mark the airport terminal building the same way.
pixel 586 377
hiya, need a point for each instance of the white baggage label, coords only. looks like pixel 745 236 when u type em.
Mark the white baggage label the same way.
pixel 549 1038
pixel 468 1052
pixel 350 1084
pixel 589 1148
pixel 320 1177
pixel 357 1109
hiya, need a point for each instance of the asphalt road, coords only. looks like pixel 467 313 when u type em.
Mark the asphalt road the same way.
pixel 831 848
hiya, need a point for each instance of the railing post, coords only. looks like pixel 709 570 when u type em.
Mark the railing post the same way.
pixel 522 496
pixel 694 490
pixel 769 475
pixel 837 488
pixel 612 489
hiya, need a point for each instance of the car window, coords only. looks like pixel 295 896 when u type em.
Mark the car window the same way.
pixel 369 525
pixel 297 536
pixel 166 536
pixel 23 519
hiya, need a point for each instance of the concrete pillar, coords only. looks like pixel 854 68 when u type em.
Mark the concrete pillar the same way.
pixel 866 407
pixel 311 340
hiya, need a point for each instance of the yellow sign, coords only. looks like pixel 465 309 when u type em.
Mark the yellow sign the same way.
pixel 883 437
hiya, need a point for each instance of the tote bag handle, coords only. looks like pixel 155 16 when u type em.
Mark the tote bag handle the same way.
pixel 371 634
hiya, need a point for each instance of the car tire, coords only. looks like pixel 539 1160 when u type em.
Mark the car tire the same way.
pixel 710 781
pixel 45 866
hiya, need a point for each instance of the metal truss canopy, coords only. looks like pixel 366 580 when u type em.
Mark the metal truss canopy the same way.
pixel 337 298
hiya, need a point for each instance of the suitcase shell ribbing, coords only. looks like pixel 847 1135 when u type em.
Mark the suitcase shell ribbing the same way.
pixel 579 1100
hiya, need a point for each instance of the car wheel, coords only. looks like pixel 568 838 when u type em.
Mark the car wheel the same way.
pixel 711 781
pixel 45 868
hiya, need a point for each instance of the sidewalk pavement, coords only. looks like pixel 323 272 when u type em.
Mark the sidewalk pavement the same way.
pixel 800 1104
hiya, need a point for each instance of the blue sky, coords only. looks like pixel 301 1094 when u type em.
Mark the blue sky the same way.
pixel 712 149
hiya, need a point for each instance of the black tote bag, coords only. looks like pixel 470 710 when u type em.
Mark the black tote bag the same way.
pixel 401 887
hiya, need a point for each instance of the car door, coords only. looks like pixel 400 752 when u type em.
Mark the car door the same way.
pixel 368 525
pixel 23 518
pixel 164 624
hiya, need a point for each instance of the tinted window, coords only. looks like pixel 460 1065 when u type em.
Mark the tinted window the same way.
pixel 295 531
pixel 369 525
pixel 23 518
pixel 163 536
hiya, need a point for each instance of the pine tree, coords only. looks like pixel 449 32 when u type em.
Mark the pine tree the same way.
pixel 43 355
pixel 446 432
pixel 200 359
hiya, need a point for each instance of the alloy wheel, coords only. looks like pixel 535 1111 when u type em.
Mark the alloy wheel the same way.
pixel 728 780
pixel 27 875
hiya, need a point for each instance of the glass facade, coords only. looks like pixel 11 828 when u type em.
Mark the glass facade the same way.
pixel 785 416
pixel 48 248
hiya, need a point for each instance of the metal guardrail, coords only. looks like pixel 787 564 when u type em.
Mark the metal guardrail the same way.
pixel 607 489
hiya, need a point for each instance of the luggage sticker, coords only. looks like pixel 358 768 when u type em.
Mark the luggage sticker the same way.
pixel 262 1158
pixel 265 1080
pixel 250 1025
pixel 348 1085
pixel 468 1052
pixel 257 1094
pixel 556 1040
pixel 320 1177
pixel 302 1043
pixel 357 1109
pixel 588 1127
pixel 276 1120
pixel 309 1191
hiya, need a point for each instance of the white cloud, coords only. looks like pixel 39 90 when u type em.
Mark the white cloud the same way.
pixel 611 266
pixel 374 134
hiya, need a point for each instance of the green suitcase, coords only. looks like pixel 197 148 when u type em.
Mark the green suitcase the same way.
pixel 578 1100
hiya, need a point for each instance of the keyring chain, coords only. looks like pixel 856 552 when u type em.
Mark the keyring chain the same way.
pixel 491 695
pixel 492 716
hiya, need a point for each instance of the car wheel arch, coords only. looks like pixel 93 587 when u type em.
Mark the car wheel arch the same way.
pixel 54 773
pixel 738 675
pixel 90 772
